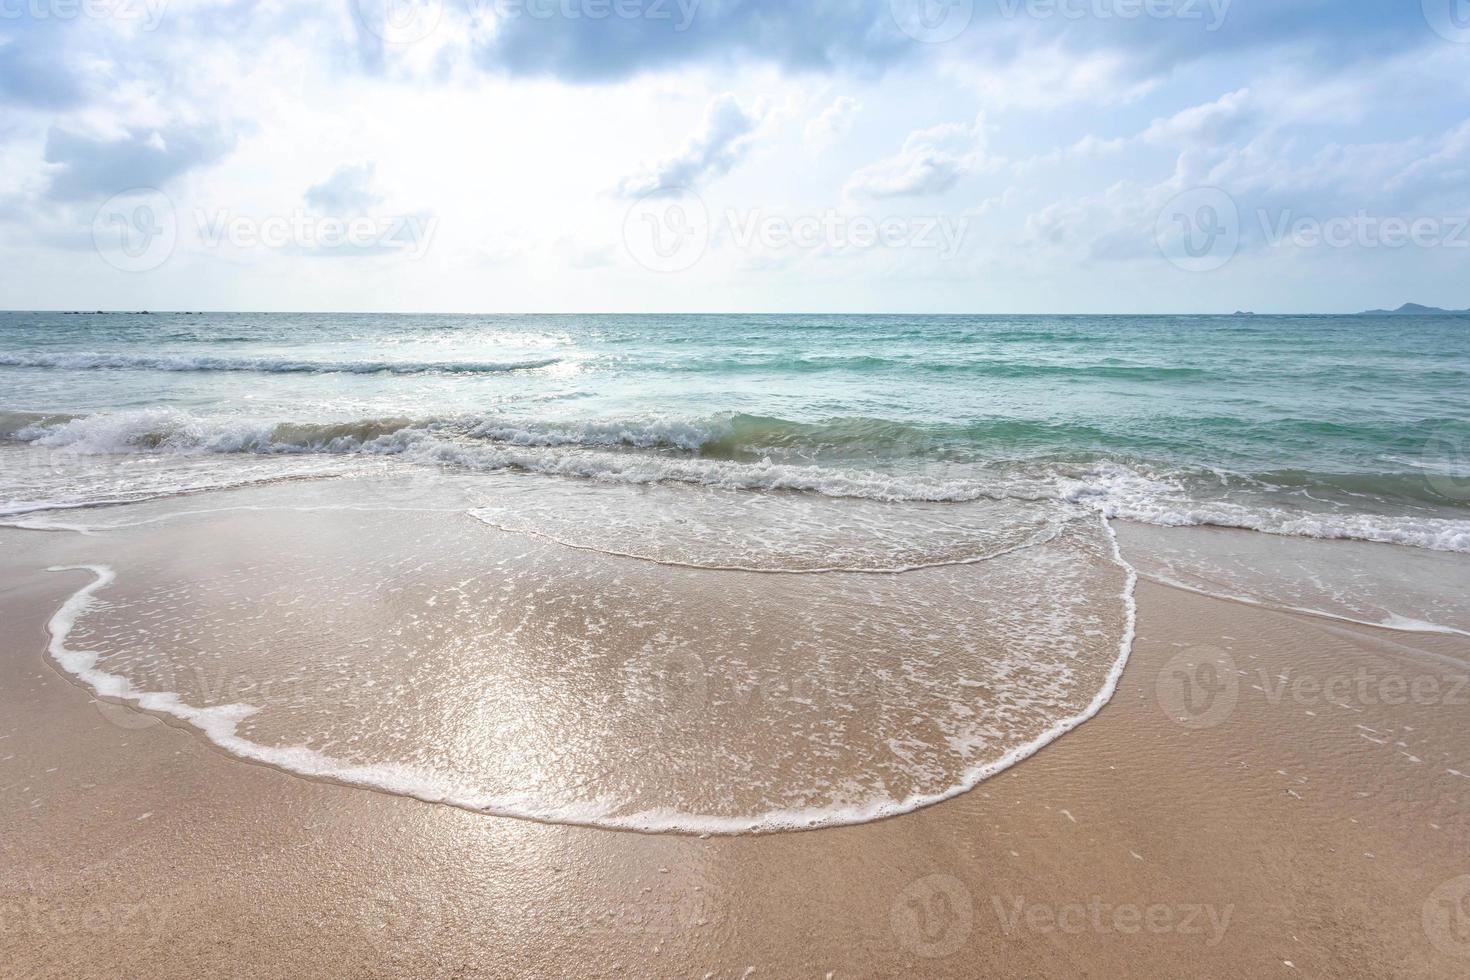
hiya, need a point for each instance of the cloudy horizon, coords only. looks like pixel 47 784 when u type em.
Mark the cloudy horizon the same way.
pixel 944 156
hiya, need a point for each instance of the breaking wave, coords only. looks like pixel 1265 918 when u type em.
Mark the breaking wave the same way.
pixel 871 459
pixel 262 365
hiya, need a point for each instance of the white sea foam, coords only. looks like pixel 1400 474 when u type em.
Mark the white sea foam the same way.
pixel 1392 621
pixel 869 567
pixel 1407 624
pixel 87 361
pixel 1431 534
pixel 1402 589
pixel 221 724
pixel 23 508
pixel 656 433
pixel 1120 492
pixel 170 431
pixel 653 451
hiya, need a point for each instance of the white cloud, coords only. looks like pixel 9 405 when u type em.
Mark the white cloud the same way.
pixel 1272 185
pixel 1213 123
pixel 722 141
pixel 1051 76
pixel 931 162
pixel 832 124
pixel 348 191
pixel 245 107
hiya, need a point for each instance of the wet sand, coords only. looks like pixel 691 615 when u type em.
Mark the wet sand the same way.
pixel 1214 820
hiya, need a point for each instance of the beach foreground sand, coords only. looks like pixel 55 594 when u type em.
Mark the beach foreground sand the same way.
pixel 1268 794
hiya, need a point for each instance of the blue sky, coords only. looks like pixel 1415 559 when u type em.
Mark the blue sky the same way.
pixel 725 155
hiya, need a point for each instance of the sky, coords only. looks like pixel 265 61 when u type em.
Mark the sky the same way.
pixel 944 156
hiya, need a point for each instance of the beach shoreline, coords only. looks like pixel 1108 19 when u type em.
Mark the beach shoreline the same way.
pixel 1291 827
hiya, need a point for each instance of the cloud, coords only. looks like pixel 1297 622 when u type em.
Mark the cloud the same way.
pixel 931 162
pixel 1271 185
pixel 722 141
pixel 348 191
pixel 1157 40
pixel 1213 123
pixel 33 67
pixel 1442 169
pixel 1293 104
pixel 88 167
pixel 68 55
pixel 863 36
pixel 819 35
pixel 832 124
pixel 351 195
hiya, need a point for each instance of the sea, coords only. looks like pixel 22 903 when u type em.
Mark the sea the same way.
pixel 704 573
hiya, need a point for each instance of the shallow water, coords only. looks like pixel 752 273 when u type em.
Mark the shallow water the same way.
pixel 707 575
pixel 420 651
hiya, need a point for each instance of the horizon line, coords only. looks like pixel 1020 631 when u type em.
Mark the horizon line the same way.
pixel 72 311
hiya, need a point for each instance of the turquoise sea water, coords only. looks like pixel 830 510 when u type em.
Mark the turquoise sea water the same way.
pixel 1320 426
pixel 564 568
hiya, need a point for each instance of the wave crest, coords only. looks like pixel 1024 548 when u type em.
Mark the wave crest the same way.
pixel 870 459
pixel 262 365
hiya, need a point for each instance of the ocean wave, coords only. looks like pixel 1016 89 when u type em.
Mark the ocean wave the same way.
pixel 745 437
pixel 423 447
pixel 261 365
pixel 869 363
pixel 1124 493
pixel 885 461
pixel 748 437
pixel 164 430
pixel 1432 534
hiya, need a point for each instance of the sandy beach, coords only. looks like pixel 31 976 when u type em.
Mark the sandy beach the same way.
pixel 1299 811
pixel 740 489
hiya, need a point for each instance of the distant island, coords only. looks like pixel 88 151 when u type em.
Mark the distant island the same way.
pixel 1414 309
